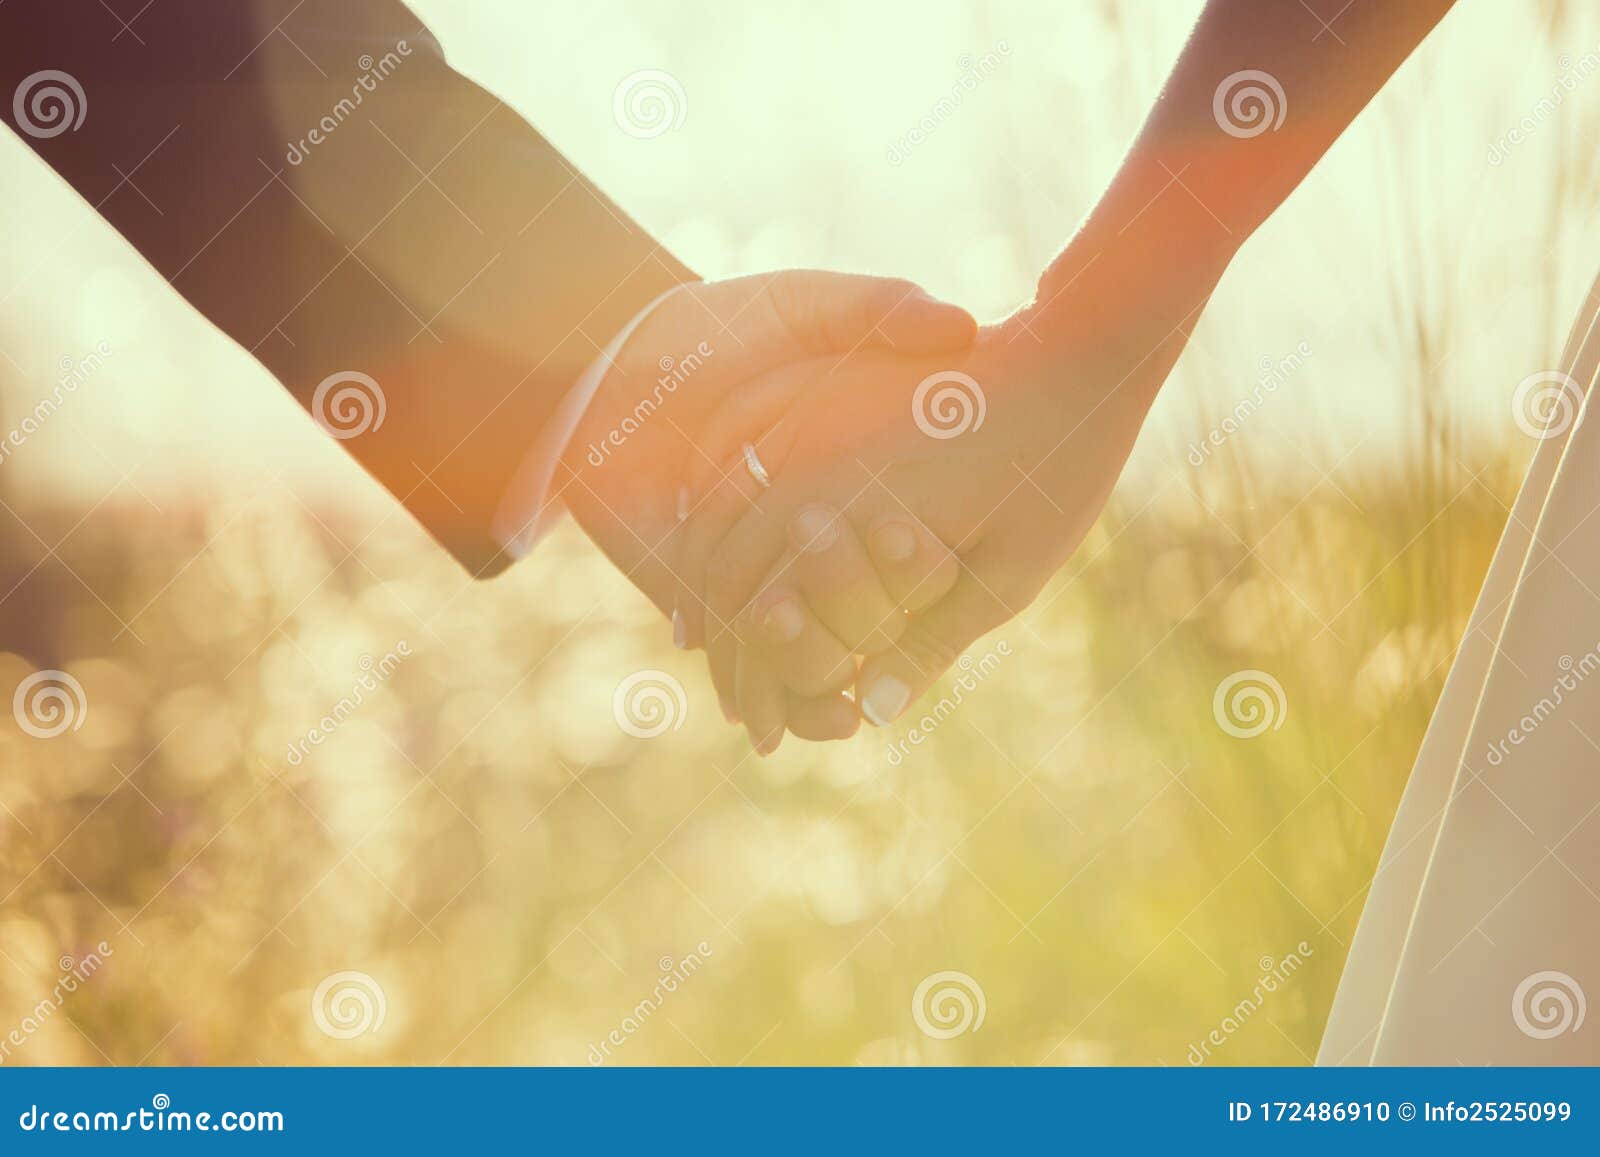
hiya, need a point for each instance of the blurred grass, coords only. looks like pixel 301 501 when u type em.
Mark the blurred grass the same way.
pixel 1079 836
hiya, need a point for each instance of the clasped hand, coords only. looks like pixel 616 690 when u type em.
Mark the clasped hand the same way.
pixel 923 484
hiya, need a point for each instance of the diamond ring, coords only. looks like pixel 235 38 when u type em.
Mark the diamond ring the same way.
pixel 758 470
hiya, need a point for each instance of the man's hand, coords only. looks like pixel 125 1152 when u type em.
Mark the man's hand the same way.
pixel 1013 497
pixel 624 469
pixel 918 503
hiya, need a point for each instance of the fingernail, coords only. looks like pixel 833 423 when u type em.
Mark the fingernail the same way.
pixel 815 528
pixel 683 503
pixel 680 631
pixel 894 541
pixel 783 621
pixel 884 700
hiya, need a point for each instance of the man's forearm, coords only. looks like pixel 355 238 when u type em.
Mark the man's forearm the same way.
pixel 316 180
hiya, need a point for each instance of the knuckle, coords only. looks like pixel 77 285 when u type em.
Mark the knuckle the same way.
pixel 785 303
pixel 891 292
pixel 934 582
pixel 928 652
pixel 1012 596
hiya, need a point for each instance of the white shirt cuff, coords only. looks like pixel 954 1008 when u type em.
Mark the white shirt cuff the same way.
pixel 526 510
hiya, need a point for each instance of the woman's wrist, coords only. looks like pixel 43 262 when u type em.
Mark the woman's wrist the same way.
pixel 1166 250
pixel 1114 310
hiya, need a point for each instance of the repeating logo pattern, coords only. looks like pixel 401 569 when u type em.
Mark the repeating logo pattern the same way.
pixel 1548 1004
pixel 49 103
pixel 649 703
pixel 348 404
pixel 948 404
pixel 1249 703
pixel 348 1004
pixel 947 1004
pixel 1248 103
pixel 49 703
pixel 649 103
pixel 1545 404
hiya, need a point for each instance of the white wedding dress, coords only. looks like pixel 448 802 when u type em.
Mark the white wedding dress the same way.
pixel 1480 939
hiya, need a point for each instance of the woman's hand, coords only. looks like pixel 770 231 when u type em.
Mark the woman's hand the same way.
pixel 639 436
pixel 915 505
pixel 1063 390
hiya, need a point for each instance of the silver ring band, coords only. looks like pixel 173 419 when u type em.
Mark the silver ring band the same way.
pixel 758 471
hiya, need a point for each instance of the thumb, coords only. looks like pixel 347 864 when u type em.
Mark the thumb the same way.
pixel 892 680
pixel 841 312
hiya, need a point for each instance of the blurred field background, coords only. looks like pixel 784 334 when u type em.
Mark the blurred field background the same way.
pixel 510 868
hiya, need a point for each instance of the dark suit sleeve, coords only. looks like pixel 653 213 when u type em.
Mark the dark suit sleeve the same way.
pixel 416 264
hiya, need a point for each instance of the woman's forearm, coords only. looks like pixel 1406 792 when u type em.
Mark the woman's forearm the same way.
pixel 1260 92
